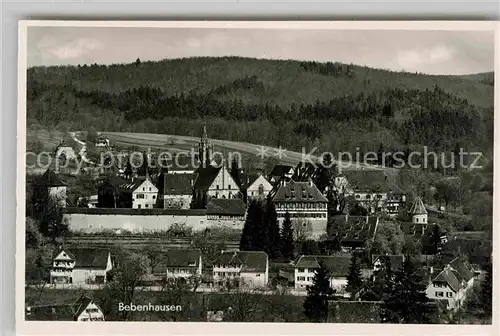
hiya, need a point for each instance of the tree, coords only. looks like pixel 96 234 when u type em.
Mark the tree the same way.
pixel 47 211
pixel 250 236
pixel 358 210
pixel 137 61
pixel 91 135
pixel 270 234
pixel 287 238
pixel 431 241
pixel 354 280
pixel 33 237
pixel 389 239
pixel 127 275
pixel 316 302
pixel 486 293
pixel 301 230
pixel 404 300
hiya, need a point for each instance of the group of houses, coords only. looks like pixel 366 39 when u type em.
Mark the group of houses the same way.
pixel 201 193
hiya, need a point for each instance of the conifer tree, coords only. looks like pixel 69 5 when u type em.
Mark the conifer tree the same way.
pixel 271 232
pixel 316 302
pixel 251 230
pixel 354 280
pixel 287 238
pixel 404 300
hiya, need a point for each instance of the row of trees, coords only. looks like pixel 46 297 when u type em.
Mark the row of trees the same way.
pixel 402 292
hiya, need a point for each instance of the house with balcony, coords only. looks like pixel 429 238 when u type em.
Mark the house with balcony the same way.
pixel 241 268
pixel 81 266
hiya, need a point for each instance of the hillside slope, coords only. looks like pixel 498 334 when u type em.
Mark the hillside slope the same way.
pixel 284 82
pixel 335 107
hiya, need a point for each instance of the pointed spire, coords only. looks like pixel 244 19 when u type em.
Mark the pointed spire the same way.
pixel 418 207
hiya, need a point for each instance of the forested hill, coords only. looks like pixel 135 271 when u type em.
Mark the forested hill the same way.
pixel 334 106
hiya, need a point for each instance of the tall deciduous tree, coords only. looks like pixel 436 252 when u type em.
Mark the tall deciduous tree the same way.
pixel 405 300
pixel 486 293
pixel 316 302
pixel 287 238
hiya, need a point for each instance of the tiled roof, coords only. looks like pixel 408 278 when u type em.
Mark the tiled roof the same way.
pixel 178 184
pixel 178 258
pixel 461 266
pixel 250 261
pixel 50 179
pixel 418 207
pixel 134 212
pixel 89 257
pixel 58 312
pixel 449 277
pixel 353 229
pixel 338 266
pixel 416 230
pixel 367 180
pixel 205 177
pixel 395 260
pixel 280 170
pixel 130 187
pixel 299 192
pixel 81 304
pixel 226 206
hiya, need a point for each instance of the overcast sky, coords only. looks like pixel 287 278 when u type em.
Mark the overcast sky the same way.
pixel 433 52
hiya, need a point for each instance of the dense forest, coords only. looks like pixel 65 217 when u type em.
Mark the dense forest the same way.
pixel 331 106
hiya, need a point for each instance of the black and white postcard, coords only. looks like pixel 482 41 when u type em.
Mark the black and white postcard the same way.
pixel 262 172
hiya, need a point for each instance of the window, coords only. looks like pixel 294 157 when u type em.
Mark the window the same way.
pixel 300 278
pixel 217 187
pixel 258 275
pixel 154 196
pixel 228 186
pixel 146 205
pixel 140 196
pixel 138 206
pixel 357 196
pixel 301 270
pixel 149 188
pixel 439 294
pixel 143 189
pixel 368 196
pixel 449 294
pixel 416 220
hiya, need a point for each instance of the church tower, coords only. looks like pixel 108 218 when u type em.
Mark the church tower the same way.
pixel 205 149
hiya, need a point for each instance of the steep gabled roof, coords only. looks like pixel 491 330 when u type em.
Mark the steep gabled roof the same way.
pixel 338 266
pixel 418 207
pixel 59 312
pixel 132 186
pixel 81 304
pixel 250 261
pixel 449 277
pixel 395 260
pixel 205 177
pixel 178 258
pixel 353 230
pixel 460 265
pixel 50 179
pixel 178 184
pixel 367 180
pixel 90 257
pixel 299 192
pixel 281 170
pixel 226 206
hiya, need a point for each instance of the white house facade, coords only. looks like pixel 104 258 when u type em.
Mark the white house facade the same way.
pixel 338 266
pixel 243 268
